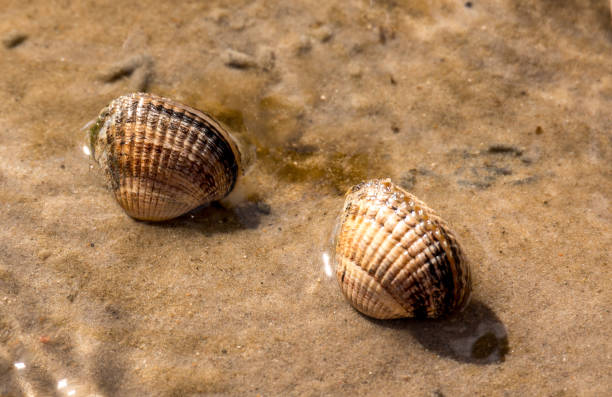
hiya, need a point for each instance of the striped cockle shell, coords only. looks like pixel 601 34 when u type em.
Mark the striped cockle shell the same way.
pixel 395 257
pixel 162 158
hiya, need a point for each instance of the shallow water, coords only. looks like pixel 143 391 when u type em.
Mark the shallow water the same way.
pixel 495 114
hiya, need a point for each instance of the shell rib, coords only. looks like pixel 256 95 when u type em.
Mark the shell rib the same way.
pixel 396 257
pixel 161 158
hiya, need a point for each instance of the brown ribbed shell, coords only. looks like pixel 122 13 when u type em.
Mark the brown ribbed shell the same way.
pixel 161 158
pixel 396 257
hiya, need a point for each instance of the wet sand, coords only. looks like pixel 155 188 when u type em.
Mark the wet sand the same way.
pixel 497 114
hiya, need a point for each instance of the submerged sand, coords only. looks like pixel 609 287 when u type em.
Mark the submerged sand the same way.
pixel 497 114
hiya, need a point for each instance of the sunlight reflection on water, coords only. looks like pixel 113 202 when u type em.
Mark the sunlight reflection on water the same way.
pixel 327 268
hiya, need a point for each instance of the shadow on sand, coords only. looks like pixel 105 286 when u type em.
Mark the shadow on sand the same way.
pixel 475 335
pixel 215 218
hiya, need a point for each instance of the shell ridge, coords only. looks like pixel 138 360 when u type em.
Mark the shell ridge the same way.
pixel 361 296
pixel 389 250
pixel 206 166
pixel 374 233
pixel 184 167
pixel 461 274
pixel 448 276
pixel 349 220
pixel 406 245
pixel 211 164
pixel 119 122
pixel 173 156
pixel 195 156
pixel 159 126
pixel 372 247
pixel 399 250
pixel 404 273
pixel 117 163
pixel 134 168
pixel 362 237
pixel 346 239
pixel 143 197
pixel 151 121
pixel 405 286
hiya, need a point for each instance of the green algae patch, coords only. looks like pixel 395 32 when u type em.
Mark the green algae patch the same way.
pixel 94 131
pixel 327 168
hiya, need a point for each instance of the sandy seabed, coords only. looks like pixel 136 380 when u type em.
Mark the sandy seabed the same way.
pixel 495 113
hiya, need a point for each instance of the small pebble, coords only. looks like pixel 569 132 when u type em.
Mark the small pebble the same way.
pixel 266 58
pixel 382 35
pixel 121 69
pixel 219 15
pixel 323 33
pixel 237 59
pixel 361 103
pixel 138 67
pixel 141 79
pixel 304 45
pixel 237 22
pixel 358 101
pixel 505 149
pixel 14 38
pixel 354 70
pixel 44 254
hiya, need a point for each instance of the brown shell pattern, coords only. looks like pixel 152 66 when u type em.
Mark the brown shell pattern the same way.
pixel 161 158
pixel 396 257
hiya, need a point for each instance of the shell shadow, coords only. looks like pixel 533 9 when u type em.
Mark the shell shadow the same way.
pixel 475 335
pixel 215 218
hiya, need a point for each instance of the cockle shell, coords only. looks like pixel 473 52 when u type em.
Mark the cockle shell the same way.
pixel 161 158
pixel 396 257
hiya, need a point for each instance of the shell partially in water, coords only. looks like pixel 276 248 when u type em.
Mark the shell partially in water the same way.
pixel 161 158
pixel 396 257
